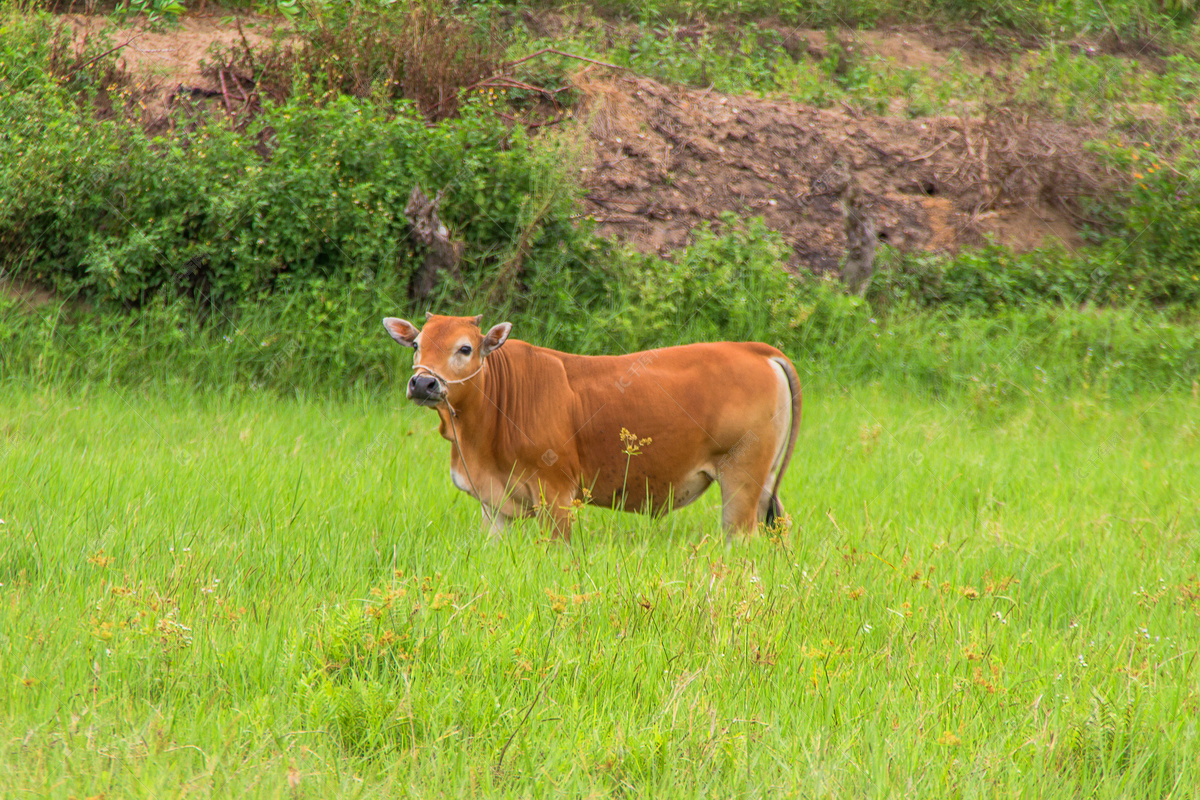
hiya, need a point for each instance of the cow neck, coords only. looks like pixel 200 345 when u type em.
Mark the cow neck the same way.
pixel 470 409
pixel 493 385
pixel 486 405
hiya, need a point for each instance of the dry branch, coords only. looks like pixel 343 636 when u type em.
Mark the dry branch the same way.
pixel 110 50
pixel 225 92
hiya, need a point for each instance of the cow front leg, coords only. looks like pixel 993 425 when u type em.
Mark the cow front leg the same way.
pixel 553 509
pixel 494 522
pixel 560 526
pixel 555 515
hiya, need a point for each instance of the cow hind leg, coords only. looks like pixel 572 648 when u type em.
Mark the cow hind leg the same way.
pixel 774 511
pixel 746 494
pixel 739 506
pixel 748 479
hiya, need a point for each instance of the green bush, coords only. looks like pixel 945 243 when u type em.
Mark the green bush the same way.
pixel 1158 222
pixel 94 210
pixel 264 257
pixel 325 335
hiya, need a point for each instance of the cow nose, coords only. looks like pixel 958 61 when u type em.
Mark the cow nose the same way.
pixel 422 386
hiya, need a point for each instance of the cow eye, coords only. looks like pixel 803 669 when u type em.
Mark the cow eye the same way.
pixel 465 349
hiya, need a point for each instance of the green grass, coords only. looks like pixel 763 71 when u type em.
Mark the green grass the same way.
pixel 231 593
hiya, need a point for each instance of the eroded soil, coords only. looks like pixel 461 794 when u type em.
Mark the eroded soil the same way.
pixel 671 160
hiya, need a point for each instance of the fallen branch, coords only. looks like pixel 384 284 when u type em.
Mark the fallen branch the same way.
pixel 556 52
pixel 194 91
pixel 506 82
pixel 516 121
pixel 246 46
pixel 953 135
pixel 547 123
pixel 225 92
pixel 91 61
pixel 245 97
pixel 499 75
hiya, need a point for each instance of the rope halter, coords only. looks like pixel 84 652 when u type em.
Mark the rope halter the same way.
pixel 445 382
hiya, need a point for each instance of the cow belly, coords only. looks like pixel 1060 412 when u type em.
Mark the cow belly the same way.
pixel 657 496
pixel 687 490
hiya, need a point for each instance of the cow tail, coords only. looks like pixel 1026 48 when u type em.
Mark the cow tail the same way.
pixel 774 507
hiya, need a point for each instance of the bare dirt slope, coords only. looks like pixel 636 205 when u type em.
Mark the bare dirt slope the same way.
pixel 164 65
pixel 671 160
pixel 171 56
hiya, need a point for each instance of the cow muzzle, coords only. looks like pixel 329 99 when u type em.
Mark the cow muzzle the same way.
pixel 425 390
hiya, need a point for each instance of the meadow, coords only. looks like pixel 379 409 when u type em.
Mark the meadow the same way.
pixel 232 593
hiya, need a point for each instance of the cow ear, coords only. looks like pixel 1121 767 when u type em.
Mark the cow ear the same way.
pixel 478 319
pixel 428 315
pixel 402 331
pixel 497 336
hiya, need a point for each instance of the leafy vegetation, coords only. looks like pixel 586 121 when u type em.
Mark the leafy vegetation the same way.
pixel 1132 22
pixel 200 214
pixel 998 341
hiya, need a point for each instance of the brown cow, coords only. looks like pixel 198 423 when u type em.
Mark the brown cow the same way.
pixel 533 430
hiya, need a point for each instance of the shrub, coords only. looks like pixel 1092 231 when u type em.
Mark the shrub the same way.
pixel 93 209
pixel 1158 223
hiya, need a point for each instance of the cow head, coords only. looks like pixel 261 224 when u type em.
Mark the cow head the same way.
pixel 449 352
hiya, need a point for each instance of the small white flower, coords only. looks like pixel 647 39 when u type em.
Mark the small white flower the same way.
pixel 1082 663
pixel 866 628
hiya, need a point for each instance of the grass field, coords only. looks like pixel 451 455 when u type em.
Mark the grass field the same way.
pixel 226 595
